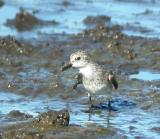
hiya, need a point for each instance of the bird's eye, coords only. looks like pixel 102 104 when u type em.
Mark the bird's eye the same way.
pixel 77 58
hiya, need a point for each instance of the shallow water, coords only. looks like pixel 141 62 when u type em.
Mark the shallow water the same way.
pixel 140 19
pixel 130 119
pixel 146 76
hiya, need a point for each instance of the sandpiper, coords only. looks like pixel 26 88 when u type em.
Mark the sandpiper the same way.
pixel 93 76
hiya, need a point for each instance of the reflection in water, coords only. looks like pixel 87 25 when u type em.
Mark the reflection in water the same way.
pixel 125 118
pixel 107 116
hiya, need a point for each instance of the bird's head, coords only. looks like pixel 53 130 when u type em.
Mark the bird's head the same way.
pixel 78 59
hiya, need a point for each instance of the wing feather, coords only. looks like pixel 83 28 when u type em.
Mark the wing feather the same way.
pixel 112 80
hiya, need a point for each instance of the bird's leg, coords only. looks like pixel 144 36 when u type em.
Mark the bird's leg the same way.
pixel 109 105
pixel 78 80
pixel 90 100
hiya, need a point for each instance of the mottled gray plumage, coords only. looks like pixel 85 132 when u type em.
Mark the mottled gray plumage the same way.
pixel 95 78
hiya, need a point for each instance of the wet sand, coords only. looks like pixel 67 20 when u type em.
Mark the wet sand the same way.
pixel 34 92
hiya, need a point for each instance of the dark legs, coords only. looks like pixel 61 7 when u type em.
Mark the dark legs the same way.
pixel 109 105
pixel 110 108
pixel 90 101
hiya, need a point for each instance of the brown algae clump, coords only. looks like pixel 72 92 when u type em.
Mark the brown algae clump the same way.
pixel 26 21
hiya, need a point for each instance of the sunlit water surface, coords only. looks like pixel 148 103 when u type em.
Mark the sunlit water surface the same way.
pixel 138 18
pixel 146 76
pixel 132 121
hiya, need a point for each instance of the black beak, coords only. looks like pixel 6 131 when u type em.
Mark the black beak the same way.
pixel 66 66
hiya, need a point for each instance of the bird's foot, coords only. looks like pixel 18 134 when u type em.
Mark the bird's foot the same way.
pixel 90 108
pixel 110 107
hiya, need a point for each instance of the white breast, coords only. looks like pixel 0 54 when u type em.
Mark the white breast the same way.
pixel 86 71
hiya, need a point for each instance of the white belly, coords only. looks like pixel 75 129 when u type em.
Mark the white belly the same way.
pixel 95 89
pixel 94 86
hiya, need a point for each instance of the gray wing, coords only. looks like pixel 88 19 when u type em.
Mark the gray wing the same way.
pixel 78 80
pixel 112 81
